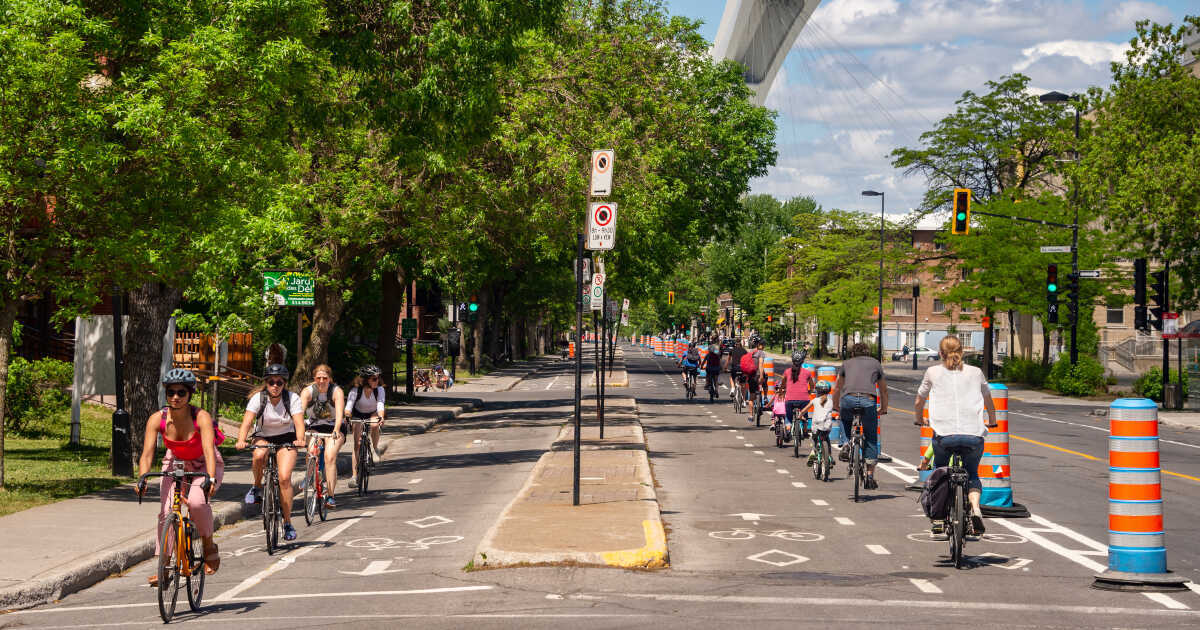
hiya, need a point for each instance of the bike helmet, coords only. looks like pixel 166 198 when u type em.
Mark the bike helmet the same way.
pixel 797 359
pixel 755 340
pixel 692 346
pixel 823 387
pixel 277 369
pixel 180 376
pixel 368 371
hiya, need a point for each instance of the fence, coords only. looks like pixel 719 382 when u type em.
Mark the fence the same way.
pixel 194 351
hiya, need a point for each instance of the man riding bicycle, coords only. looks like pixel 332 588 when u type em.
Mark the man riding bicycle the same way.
pixel 712 368
pixel 734 366
pixel 752 367
pixel 858 380
pixel 690 361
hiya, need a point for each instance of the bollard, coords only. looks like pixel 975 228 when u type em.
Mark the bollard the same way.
pixel 572 350
pixel 769 379
pixel 657 343
pixel 887 459
pixel 995 469
pixel 1137 553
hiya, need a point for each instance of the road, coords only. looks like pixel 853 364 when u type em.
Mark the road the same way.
pixel 752 536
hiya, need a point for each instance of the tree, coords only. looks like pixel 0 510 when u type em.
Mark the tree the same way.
pixel 1138 164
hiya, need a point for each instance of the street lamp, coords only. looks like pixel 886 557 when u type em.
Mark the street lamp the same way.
pixel 1059 97
pixel 879 344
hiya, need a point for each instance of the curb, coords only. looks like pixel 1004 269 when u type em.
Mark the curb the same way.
pixel 81 574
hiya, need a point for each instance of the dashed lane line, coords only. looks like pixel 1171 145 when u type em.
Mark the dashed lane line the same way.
pixel 878 550
pixel 842 520
pixel 782 471
pixel 925 586
pixel 821 502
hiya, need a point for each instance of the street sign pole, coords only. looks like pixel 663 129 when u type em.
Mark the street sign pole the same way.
pixel 578 362
pixel 1075 293
pixel 601 359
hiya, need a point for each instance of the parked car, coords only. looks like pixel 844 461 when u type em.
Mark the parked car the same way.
pixel 727 345
pixel 922 353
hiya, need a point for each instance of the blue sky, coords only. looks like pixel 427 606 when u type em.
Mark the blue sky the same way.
pixel 866 76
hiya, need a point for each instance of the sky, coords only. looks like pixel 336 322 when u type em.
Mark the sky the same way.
pixel 867 76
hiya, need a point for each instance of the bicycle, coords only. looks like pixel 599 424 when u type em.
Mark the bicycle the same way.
pixel 314 478
pixel 857 447
pixel 365 449
pixel 758 408
pixel 823 464
pixel 180 550
pixel 739 393
pixel 422 380
pixel 272 509
pixel 689 384
pixel 956 520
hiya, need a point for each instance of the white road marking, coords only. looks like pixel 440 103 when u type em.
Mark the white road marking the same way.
pixel 821 502
pixel 842 520
pixel 429 521
pixel 553 382
pixel 798 484
pixel 879 550
pixel 769 461
pixel 740 437
pixel 287 560
pixel 1167 601
pixel 925 585
pixel 1018 607
pixel 782 471
pixel 784 558
pixel 748 444
pixel 414 481
pixel 759 453
pixel 896 473
pixel 1037 537
pixel 375 567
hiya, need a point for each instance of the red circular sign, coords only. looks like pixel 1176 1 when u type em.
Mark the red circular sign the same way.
pixel 603 161
pixel 604 215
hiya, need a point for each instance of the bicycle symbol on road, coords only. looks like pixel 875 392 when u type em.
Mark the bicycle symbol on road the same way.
pixel 749 534
pixel 383 544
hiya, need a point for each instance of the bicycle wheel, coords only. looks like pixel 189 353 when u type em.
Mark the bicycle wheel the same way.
pixel 796 432
pixel 826 459
pixel 269 514
pixel 856 463
pixel 757 409
pixel 195 578
pixel 168 568
pixel 312 477
pixel 959 529
pixel 364 464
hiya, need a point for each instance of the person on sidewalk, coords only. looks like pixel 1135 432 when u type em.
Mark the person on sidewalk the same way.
pixel 858 380
pixel 190 436
pixel 277 418
pixel 958 395
pixel 366 401
pixel 324 405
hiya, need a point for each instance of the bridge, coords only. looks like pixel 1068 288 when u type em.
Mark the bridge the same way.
pixel 759 34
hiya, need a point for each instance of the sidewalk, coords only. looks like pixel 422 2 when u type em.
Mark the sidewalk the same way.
pixel 505 378
pixel 617 523
pixel 52 550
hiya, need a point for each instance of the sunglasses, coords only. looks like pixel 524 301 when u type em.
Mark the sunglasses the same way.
pixel 177 393
pixel 372 378
pixel 275 382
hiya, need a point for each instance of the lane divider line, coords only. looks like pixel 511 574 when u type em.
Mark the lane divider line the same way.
pixel 925 586
pixel 842 520
pixel 879 550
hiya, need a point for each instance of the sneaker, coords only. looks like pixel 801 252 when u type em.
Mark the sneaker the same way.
pixel 977 528
pixel 937 528
pixel 870 484
pixel 812 459
pixel 254 495
pixel 330 503
pixel 374 456
pixel 289 532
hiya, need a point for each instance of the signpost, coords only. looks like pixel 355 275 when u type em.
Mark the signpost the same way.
pixel 1089 273
pixel 1055 249
pixel 291 288
pixel 601 226
pixel 602 172
pixel 597 291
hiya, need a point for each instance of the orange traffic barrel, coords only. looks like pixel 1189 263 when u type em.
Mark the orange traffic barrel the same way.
pixel 1137 552
pixel 828 373
pixel 926 442
pixel 572 349
pixel 769 376
pixel 995 468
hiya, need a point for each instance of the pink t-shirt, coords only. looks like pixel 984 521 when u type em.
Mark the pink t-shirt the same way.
pixel 799 389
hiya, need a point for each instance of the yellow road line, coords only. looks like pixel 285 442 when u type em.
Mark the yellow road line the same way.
pixel 1057 448
pixel 1175 474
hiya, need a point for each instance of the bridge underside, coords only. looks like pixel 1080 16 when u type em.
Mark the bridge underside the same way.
pixel 758 34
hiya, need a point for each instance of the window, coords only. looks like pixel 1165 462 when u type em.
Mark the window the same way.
pixel 967 309
pixel 938 306
pixel 939 246
pixel 963 273
pixel 902 306
pixel 1116 315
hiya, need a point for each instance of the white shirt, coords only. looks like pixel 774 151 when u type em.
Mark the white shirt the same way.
pixel 822 414
pixel 955 400
pixel 275 420
pixel 369 402
pixel 310 413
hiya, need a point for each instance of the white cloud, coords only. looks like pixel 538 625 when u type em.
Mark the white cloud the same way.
pixel 1126 14
pixel 1090 53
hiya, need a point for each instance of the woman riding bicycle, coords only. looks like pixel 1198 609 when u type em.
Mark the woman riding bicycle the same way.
pixel 190 437
pixel 324 405
pixel 798 381
pixel 958 395
pixel 366 402
pixel 277 418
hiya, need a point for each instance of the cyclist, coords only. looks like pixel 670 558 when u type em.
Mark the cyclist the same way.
pixel 958 395
pixel 690 361
pixel 712 368
pixel 734 365
pixel 752 366
pixel 365 402
pixel 857 380
pixel 820 410
pixel 324 405
pixel 277 417
pixel 191 437
pixel 798 381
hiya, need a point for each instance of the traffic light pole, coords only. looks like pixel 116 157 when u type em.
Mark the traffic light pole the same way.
pixel 578 362
pixel 1166 307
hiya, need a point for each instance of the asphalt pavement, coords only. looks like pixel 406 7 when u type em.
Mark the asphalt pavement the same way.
pixel 753 538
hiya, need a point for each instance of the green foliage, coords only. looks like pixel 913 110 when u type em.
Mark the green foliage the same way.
pixel 1139 160
pixel 36 391
pixel 1019 370
pixel 1086 378
pixel 1149 384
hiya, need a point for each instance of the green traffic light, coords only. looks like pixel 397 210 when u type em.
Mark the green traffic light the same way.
pixel 962 216
pixel 1053 288
pixel 473 307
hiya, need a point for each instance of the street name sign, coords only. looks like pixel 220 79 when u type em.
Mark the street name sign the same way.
pixel 601 226
pixel 1089 273
pixel 1056 249
pixel 602 172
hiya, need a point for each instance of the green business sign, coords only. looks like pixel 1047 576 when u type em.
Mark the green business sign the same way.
pixel 408 328
pixel 289 288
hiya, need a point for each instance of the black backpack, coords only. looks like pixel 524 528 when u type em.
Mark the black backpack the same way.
pixel 935 497
pixel 322 410
pixel 285 398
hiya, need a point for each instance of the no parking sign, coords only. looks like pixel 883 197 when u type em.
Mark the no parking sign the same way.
pixel 602 226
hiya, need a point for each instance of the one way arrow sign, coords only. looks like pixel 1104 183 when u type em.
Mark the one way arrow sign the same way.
pixel 375 567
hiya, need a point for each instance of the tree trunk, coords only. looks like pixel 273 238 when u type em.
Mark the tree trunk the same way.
pixel 8 315
pixel 1045 346
pixel 494 325
pixel 328 306
pixel 463 345
pixel 393 299
pixel 481 318
pixel 150 308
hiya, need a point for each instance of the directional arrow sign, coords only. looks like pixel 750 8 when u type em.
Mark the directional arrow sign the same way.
pixel 375 567
pixel 750 516
pixel 1089 273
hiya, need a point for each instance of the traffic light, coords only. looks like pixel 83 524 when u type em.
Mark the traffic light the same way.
pixel 1139 296
pixel 770 318
pixel 1052 293
pixel 670 297
pixel 961 221
pixel 986 322
pixel 1158 299
pixel 1073 297
pixel 473 309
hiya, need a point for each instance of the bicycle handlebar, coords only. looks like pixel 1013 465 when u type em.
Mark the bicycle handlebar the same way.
pixel 176 474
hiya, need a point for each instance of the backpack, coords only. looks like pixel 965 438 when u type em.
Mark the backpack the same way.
pixel 935 496
pixel 359 390
pixel 322 409
pixel 285 398
pixel 747 364
pixel 693 355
